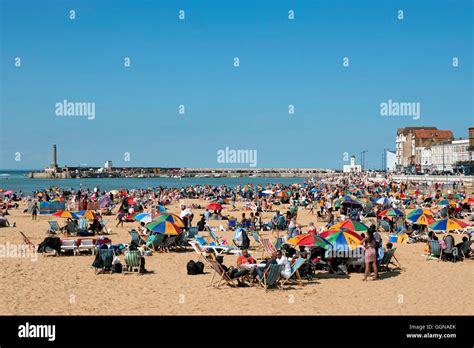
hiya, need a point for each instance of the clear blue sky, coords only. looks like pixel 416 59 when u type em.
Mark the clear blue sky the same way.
pixel 190 62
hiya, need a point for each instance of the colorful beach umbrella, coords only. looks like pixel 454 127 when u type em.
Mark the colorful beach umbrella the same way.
pixel 88 214
pixel 173 218
pixel 350 225
pixel 145 217
pixel 164 227
pixel 446 202
pixel 448 225
pixel 342 239
pixel 382 201
pixel 391 212
pixel 66 214
pixel 469 200
pixel 214 206
pixel 420 211
pixel 452 195
pixel 309 240
pixel 421 219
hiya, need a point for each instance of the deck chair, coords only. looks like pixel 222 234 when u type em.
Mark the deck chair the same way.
pixel 191 232
pixel 104 223
pixel 213 234
pixel 132 261
pixel 218 249
pixel 53 227
pixel 256 238
pixel 200 251
pixel 387 260
pixel 155 241
pixel 86 244
pixel 232 224
pixel 294 272
pixel 278 243
pixel 82 225
pixel 69 245
pixel 271 276
pixel 222 277
pixel 107 257
pixel 136 237
pixel 169 242
pixel 267 247
pixel 27 241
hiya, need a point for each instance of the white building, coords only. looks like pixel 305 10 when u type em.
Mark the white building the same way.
pixel 352 167
pixel 445 156
pixel 390 161
pixel 108 164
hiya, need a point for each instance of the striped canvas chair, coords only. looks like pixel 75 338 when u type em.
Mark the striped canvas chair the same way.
pixel 435 250
pixel 107 256
pixel 278 243
pixel 294 272
pixel 267 247
pixel 271 276
pixel 220 276
pixel 132 260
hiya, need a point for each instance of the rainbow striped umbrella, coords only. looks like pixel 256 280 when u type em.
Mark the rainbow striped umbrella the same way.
pixel 469 200
pixel 448 225
pixel 173 218
pixel 308 239
pixel 350 225
pixel 342 239
pixel 452 195
pixel 421 219
pixel 145 217
pixel 445 202
pixel 420 211
pixel 164 227
pixel 66 214
pixel 391 212
pixel 88 214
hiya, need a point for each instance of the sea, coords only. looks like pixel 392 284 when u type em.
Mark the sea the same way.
pixel 17 180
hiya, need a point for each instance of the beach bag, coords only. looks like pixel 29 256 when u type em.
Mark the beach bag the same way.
pixel 200 267
pixel 192 268
pixel 118 267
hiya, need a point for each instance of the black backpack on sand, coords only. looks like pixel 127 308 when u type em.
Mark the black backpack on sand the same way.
pixel 195 267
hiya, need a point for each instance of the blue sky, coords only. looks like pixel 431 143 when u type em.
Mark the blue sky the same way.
pixel 190 62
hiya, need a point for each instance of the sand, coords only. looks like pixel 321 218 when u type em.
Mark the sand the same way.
pixel 67 285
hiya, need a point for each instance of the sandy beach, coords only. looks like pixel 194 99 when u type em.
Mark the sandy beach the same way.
pixel 67 285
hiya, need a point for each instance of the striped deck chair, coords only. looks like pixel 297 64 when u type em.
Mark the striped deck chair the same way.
pixel 27 241
pixel 169 242
pixel 218 249
pixel 53 227
pixel 155 241
pixel 267 247
pixel 278 243
pixel 256 238
pixel 132 261
pixel 191 232
pixel 213 234
pixel 294 272
pixel 136 237
pixel 222 277
pixel 107 256
pixel 435 250
pixel 82 225
pixel 271 276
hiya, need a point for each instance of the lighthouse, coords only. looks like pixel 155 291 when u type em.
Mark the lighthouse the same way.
pixel 54 163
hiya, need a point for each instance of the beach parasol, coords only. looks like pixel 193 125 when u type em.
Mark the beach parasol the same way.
pixel 469 200
pixel 382 201
pixel 145 217
pixel 420 211
pixel 446 202
pixel 66 214
pixel 420 219
pixel 448 225
pixel 391 212
pixel 343 238
pixel 452 195
pixel 88 214
pixel 309 240
pixel 164 227
pixel 214 206
pixel 8 193
pixel 350 225
pixel 173 218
